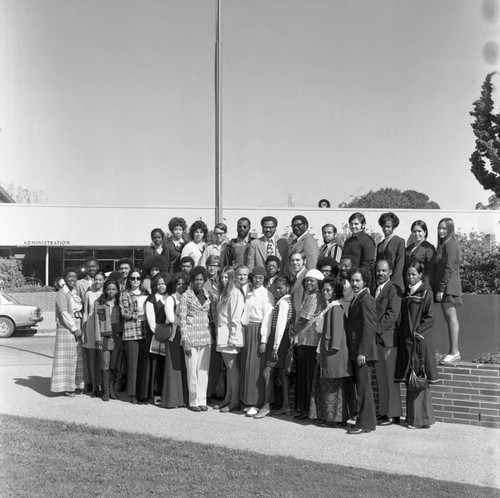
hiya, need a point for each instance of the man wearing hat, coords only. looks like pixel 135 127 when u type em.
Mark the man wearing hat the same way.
pixel 267 245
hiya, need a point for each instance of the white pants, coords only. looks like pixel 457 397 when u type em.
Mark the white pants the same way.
pixel 197 366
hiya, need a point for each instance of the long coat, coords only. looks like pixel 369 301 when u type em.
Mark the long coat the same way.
pixel 416 318
pixel 334 357
pixel 394 252
pixel 360 327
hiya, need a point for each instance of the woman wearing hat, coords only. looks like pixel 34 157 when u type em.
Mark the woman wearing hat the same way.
pixel 257 314
pixel 307 338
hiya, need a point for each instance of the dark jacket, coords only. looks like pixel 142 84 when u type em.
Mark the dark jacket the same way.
pixel 360 248
pixel 416 318
pixel 173 256
pixel 394 252
pixel 447 276
pixel 425 254
pixel 360 327
pixel 388 306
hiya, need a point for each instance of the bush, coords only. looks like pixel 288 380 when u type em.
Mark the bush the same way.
pixel 31 288
pixel 10 272
pixel 488 358
pixel 480 265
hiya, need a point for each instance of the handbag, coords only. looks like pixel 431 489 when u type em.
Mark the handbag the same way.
pixel 163 332
pixel 416 381
pixel 290 366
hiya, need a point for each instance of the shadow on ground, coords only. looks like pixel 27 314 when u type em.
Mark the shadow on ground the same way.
pixel 41 385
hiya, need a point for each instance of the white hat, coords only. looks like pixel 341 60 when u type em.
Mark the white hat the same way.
pixel 315 274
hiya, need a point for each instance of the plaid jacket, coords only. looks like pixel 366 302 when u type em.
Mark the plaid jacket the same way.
pixel 133 328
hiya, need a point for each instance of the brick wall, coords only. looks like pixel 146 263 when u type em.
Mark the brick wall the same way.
pixel 45 300
pixel 469 393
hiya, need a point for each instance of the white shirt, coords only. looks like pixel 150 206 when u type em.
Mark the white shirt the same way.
pixel 259 306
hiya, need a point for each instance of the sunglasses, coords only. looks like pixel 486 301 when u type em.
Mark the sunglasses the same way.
pixel 297 225
pixel 135 278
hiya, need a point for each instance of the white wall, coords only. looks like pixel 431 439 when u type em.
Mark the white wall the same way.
pixel 95 226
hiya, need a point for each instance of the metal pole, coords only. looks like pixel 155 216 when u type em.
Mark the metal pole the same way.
pixel 218 115
pixel 47 265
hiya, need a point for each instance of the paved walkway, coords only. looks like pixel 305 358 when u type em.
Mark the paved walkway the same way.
pixel 448 452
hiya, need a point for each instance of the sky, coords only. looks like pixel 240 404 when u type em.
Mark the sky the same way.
pixel 112 101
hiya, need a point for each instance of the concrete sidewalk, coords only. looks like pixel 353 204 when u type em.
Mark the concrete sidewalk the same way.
pixel 447 452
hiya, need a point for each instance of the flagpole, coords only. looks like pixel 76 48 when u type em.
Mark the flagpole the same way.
pixel 218 115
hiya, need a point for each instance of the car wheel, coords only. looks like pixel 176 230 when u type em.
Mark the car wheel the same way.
pixel 7 327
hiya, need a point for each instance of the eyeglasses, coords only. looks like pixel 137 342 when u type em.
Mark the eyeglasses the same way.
pixel 135 278
pixel 213 266
pixel 298 225
pixel 218 233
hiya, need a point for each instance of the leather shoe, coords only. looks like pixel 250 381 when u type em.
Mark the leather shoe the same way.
pixel 301 416
pixel 358 431
pixel 388 421
pixel 229 408
pixel 195 408
pixel 263 412
pixel 133 400
pixel 203 408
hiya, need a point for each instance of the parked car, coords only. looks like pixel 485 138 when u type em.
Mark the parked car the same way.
pixel 16 316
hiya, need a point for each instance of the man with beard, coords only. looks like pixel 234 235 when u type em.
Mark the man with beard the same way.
pixel 236 252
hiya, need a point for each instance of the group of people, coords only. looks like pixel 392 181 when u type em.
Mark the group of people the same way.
pixel 236 322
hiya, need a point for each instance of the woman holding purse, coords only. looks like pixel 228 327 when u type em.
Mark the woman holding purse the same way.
pixel 415 348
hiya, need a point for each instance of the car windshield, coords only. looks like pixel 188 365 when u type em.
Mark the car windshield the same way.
pixel 6 299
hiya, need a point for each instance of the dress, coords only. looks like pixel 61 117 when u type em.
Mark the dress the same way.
pixel 175 392
pixel 67 368
pixel 447 276
pixel 416 317
pixel 333 398
pixel 153 363
pixel 194 251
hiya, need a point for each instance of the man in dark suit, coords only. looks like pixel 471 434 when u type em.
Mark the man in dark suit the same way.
pixel 388 304
pixel 267 245
pixel 360 333
pixel 304 242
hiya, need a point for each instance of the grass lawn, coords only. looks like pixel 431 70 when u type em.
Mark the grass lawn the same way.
pixel 54 459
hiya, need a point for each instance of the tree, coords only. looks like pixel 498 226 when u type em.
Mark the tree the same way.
pixel 485 159
pixel 391 198
pixel 25 196
pixel 493 203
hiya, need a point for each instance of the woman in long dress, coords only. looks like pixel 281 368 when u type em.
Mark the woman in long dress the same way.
pixel 88 329
pixel 416 345
pixel 175 392
pixel 67 368
pixel 152 379
pixel 257 315
pixel 333 398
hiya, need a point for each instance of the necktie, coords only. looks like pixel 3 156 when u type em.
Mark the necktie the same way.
pixel 378 291
pixel 270 248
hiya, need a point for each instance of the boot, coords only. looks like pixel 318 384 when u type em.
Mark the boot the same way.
pixel 112 394
pixel 105 385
